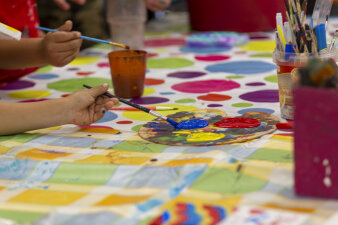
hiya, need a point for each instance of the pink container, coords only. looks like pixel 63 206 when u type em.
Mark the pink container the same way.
pixel 316 142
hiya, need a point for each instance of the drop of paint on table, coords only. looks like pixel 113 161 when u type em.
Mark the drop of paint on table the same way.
pixel 192 124
pixel 237 123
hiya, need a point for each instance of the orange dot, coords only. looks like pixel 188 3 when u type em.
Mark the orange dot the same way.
pixel 214 97
pixel 124 122
pixel 84 73
pixel 151 81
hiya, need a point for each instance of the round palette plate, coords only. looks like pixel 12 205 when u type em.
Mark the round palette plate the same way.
pixel 162 132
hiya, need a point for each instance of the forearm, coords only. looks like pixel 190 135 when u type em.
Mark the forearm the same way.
pixel 20 117
pixel 25 53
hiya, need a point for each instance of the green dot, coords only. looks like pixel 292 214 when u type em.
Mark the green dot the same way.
pixel 263 55
pixel 117 105
pixel 272 78
pixel 235 77
pixel 75 84
pixel 186 100
pixel 242 104
pixel 169 63
pixel 137 128
pixel 44 69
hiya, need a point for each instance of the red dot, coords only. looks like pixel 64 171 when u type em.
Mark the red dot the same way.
pixel 124 122
pixel 151 54
pixel 84 73
pixel 65 95
pixel 151 81
pixel 214 97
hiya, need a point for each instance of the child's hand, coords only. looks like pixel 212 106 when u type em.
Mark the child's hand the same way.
pixel 60 48
pixel 157 5
pixel 89 105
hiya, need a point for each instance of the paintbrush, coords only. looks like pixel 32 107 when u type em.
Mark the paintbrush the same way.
pixel 89 38
pixel 144 109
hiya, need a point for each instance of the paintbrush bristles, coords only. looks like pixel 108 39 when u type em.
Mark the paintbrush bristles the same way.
pixel 120 45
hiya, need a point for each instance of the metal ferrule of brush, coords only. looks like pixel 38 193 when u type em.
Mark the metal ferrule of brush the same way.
pixel 157 115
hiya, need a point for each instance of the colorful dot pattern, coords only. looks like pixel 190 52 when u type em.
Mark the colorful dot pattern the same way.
pixel 232 79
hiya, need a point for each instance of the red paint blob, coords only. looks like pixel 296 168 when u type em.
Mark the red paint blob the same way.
pixel 124 122
pixel 212 57
pixel 151 81
pixel 285 126
pixel 237 123
pixel 84 73
pixel 214 97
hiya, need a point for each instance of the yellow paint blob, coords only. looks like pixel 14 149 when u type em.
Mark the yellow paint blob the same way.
pixel 260 46
pixel 142 116
pixel 83 60
pixel 196 137
pixel 29 94
pixel 182 132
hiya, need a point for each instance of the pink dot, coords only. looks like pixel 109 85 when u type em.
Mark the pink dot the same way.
pixel 104 64
pixel 212 57
pixel 164 42
pixel 205 86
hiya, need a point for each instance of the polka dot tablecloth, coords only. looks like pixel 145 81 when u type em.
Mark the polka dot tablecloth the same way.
pixel 106 174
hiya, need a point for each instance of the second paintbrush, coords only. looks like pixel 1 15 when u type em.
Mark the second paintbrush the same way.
pixel 142 108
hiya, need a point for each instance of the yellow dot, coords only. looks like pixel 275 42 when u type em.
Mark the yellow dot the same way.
pixel 142 116
pixel 29 94
pixel 148 91
pixel 83 60
pixel 260 46
pixel 161 50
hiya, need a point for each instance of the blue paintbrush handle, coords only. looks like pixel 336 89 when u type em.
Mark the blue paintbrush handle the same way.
pixel 82 37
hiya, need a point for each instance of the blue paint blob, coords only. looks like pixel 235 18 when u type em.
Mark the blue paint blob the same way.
pixel 242 111
pixel 192 124
pixel 43 76
pixel 108 116
pixel 204 50
pixel 165 216
pixel 172 122
pixel 242 67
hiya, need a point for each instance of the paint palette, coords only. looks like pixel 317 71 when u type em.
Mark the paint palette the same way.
pixel 162 132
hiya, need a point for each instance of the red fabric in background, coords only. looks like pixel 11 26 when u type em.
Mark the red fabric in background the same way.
pixel 21 15
pixel 234 15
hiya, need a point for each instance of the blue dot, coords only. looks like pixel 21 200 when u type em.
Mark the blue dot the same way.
pixel 204 50
pixel 242 67
pixel 43 76
pixel 242 111
pixel 108 116
pixel 167 93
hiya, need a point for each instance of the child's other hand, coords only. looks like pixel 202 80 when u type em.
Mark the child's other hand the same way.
pixel 60 48
pixel 158 5
pixel 89 105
